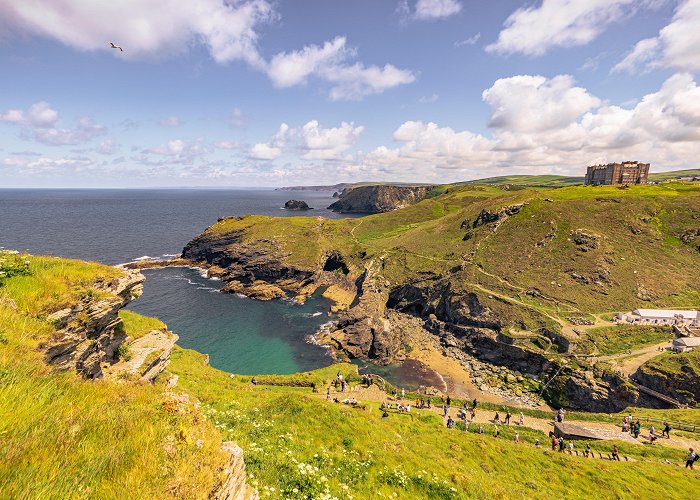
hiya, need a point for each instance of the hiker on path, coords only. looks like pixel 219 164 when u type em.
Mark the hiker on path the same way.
pixel 403 393
pixel 562 444
pixel 445 408
pixel 522 419
pixel 555 443
pixel 571 447
pixel 615 454
pixel 517 438
pixel 448 402
pixel 497 418
pixel 328 394
pixel 497 431
pixel 508 415
pixel 481 429
pixel 537 442
pixel 667 431
pixel 691 459
pixel 587 451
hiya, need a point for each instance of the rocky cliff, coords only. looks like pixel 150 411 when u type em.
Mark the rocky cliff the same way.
pixel 376 199
pixel 88 338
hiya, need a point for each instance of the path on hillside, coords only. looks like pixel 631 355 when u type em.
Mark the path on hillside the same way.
pixel 485 418
pixel 630 362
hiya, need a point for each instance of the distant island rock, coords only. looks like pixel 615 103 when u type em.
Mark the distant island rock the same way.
pixel 376 199
pixel 297 205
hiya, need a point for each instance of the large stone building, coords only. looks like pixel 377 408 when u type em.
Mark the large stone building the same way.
pixel 628 172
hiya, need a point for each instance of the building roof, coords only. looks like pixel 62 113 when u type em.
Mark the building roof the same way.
pixel 687 341
pixel 665 313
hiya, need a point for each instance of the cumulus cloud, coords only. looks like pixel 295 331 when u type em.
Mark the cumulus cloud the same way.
pixel 318 143
pixel 41 123
pixel 427 10
pixel 311 141
pixel 533 30
pixel 108 147
pixel 272 149
pixel 562 129
pixel 332 62
pixel 147 28
pixel 227 28
pixel 526 102
pixel 676 45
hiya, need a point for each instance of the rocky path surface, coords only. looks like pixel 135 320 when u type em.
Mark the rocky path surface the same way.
pixel 630 362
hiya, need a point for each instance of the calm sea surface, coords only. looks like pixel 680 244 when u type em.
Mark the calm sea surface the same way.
pixel 115 226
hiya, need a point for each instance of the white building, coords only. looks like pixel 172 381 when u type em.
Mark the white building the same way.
pixel 685 344
pixel 662 317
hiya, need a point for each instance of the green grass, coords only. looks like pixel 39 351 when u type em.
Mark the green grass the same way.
pixel 619 339
pixel 136 326
pixel 295 440
pixel 64 437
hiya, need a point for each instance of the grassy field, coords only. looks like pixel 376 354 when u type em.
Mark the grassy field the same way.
pixel 300 445
pixel 619 339
pixel 63 437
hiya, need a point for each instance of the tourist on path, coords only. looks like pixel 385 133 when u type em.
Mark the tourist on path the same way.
pixel 667 431
pixel 497 418
pixel 481 429
pixel 690 459
pixel 517 438
pixel 328 394
pixel 522 418
pixel 555 443
pixel 615 454
pixel 571 447
pixel 445 408
pixel 497 431
pixel 403 393
pixel 537 442
pixel 508 415
pixel 562 444
pixel 587 451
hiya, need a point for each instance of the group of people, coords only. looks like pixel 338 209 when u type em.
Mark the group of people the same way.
pixel 634 428
pixel 506 420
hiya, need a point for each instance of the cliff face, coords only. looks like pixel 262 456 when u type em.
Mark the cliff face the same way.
pixel 88 337
pixel 375 199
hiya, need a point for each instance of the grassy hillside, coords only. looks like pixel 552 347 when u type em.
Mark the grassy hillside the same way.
pixel 64 437
pixel 570 251
pixel 676 174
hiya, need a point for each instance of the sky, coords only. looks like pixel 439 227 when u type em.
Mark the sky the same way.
pixel 246 93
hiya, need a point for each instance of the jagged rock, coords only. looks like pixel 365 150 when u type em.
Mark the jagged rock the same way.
pixel 148 356
pixel 260 290
pixel 172 381
pixel 86 337
pixel 689 235
pixel 233 484
pixel 296 205
pixel 585 241
pixel 469 235
pixel 376 199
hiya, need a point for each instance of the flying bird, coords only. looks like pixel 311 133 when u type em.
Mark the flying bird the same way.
pixel 111 44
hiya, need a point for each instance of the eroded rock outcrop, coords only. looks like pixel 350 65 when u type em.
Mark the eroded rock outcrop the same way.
pixel 376 199
pixel 86 336
pixel 296 205
pixel 233 485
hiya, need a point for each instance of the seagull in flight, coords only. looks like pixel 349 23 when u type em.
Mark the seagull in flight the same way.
pixel 112 45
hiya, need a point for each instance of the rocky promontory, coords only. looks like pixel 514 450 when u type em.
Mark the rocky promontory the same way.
pixel 297 205
pixel 380 198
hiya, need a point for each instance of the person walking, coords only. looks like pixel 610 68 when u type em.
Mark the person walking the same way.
pixel 517 438
pixel 562 444
pixel 403 393
pixel 508 415
pixel 587 451
pixel 691 459
pixel 571 447
pixel 615 454
pixel 328 393
pixel 667 431
pixel 522 419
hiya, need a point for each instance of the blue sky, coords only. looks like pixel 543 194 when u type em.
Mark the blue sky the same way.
pixel 262 93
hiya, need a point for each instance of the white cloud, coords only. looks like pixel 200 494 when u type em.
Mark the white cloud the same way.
pixel 265 152
pixel 526 102
pixel 676 46
pixel 108 147
pixel 318 143
pixel 273 149
pixel 436 9
pixel 146 28
pixel 429 99
pixel 331 63
pixel 170 121
pixel 227 145
pixel 311 141
pixel 40 123
pixel 228 28
pixel 427 10
pixel 533 30
pixel 468 41
pixel 663 128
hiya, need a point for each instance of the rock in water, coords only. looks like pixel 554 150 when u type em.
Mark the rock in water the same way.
pixel 297 205
pixel 379 198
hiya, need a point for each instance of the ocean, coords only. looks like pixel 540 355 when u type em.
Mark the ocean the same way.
pixel 116 226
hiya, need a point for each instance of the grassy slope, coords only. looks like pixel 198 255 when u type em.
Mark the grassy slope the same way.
pixel 61 436
pixel 618 339
pixel 65 437
pixel 427 238
pixel 285 430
